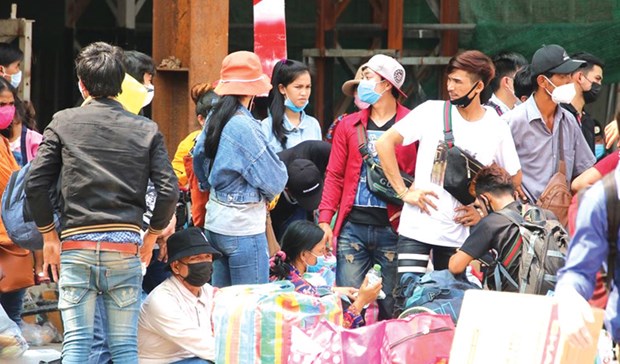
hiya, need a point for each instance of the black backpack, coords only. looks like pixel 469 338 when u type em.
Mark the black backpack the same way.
pixel 543 245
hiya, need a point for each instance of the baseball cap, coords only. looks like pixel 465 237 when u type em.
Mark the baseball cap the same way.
pixel 189 242
pixel 388 68
pixel 305 183
pixel 553 58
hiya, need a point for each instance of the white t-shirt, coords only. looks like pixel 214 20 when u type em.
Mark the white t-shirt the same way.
pixel 488 140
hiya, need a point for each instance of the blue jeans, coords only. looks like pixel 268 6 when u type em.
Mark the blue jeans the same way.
pixel 118 276
pixel 13 303
pixel 359 248
pixel 245 259
pixel 99 352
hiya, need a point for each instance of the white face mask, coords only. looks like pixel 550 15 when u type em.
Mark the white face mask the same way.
pixel 562 94
pixel 150 93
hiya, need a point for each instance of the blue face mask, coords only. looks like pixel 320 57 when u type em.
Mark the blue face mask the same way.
pixel 366 92
pixel 599 150
pixel 320 262
pixel 289 104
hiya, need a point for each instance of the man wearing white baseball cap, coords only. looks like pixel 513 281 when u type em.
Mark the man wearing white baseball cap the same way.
pixel 363 226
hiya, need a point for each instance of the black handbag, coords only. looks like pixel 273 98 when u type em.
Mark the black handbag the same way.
pixel 376 181
pixel 459 167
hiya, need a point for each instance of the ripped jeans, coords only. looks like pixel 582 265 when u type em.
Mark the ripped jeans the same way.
pixel 84 273
pixel 360 247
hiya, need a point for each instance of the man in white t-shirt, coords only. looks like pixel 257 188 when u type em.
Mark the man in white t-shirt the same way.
pixel 433 220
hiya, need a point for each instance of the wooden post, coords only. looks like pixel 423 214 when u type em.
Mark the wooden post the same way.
pixel 184 29
pixel 323 90
pixel 395 25
pixel 448 14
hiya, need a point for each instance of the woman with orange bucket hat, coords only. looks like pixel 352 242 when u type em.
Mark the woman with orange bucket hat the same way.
pixel 232 160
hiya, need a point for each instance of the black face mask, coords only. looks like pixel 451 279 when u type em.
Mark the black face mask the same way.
pixel 487 204
pixel 464 100
pixel 199 273
pixel 592 94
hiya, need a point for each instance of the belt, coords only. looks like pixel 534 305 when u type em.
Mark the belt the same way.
pixel 130 248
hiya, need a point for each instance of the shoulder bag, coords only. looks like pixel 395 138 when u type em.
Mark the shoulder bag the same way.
pixel 376 181
pixel 455 166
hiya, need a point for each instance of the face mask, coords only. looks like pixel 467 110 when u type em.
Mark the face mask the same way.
pixel 464 100
pixel 592 94
pixel 562 94
pixel 7 113
pixel 199 273
pixel 599 150
pixel 150 93
pixel 320 261
pixel 366 92
pixel 289 104
pixel 487 204
pixel 360 104
pixel 16 79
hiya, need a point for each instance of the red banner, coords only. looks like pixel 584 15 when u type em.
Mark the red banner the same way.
pixel 269 32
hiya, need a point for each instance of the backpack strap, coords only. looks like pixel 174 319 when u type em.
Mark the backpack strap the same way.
pixel 613 223
pixel 496 107
pixel 499 271
pixel 22 142
pixel 448 135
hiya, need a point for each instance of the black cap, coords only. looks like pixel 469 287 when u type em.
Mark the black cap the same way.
pixel 553 58
pixel 188 242
pixel 305 183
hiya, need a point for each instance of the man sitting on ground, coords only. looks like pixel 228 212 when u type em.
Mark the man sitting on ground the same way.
pixel 175 319
pixel 494 190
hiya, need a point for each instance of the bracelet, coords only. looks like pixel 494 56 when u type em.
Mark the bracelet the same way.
pixel 402 194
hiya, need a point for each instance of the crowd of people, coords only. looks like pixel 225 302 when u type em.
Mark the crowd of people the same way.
pixel 138 270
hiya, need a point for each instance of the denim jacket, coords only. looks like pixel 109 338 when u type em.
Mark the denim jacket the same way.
pixel 245 169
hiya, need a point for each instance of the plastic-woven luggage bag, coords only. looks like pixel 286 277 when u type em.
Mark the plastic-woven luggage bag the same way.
pixel 253 323
pixel 418 339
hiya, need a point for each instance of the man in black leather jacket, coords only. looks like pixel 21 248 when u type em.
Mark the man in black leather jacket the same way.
pixel 104 157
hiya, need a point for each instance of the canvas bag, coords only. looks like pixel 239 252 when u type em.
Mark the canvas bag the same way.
pixel 556 196
pixel 438 291
pixel 543 246
pixel 454 168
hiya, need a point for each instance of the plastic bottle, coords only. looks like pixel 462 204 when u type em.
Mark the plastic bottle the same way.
pixel 374 277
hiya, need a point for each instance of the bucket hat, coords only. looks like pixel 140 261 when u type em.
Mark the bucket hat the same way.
pixel 242 74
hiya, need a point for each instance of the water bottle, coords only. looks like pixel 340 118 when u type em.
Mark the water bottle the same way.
pixel 374 277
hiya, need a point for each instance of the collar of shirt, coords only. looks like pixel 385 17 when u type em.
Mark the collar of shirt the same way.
pixel 494 99
pixel 532 112
pixel 189 296
pixel 290 127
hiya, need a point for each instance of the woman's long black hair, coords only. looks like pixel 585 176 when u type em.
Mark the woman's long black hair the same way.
pixel 223 111
pixel 284 73
pixel 300 236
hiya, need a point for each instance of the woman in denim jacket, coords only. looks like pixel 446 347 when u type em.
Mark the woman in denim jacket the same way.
pixel 241 172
